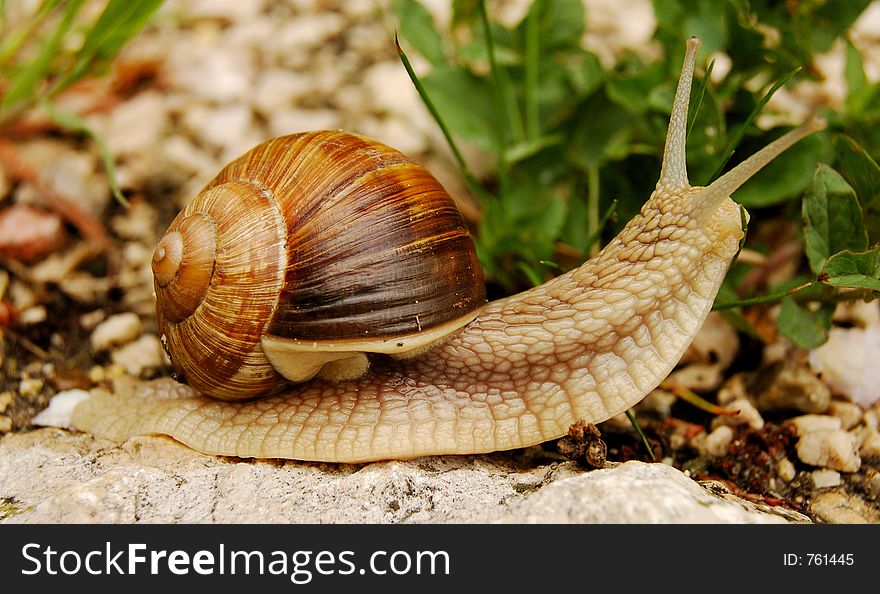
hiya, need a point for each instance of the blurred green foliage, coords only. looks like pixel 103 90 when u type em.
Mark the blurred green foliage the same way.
pixel 568 137
pixel 48 47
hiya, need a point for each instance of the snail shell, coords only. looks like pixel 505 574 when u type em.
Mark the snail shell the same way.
pixel 302 255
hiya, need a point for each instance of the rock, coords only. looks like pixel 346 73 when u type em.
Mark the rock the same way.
pixel 28 233
pixel 716 442
pixel 849 414
pixel 639 493
pixel 277 89
pixel 748 415
pixel 59 413
pixel 870 447
pixel 137 125
pixel 116 330
pixel 144 354
pixel 809 423
pixel 306 32
pixel 232 10
pixel 229 127
pixel 839 507
pixel 203 67
pixel 848 363
pixel 787 386
pixel 785 470
pixel 30 387
pixel 832 448
pixel 825 478
pixel 70 477
pixel 290 121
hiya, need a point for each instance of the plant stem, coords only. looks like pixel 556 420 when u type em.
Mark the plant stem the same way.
pixel 764 298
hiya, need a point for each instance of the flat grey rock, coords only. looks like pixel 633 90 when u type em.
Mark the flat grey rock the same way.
pixel 54 476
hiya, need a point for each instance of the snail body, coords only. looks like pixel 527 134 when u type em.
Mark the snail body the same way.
pixel 587 344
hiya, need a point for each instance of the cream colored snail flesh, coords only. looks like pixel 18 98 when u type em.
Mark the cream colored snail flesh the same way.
pixel 365 290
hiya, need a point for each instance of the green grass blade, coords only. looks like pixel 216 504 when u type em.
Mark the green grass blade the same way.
pixel 119 22
pixel 700 94
pixel 14 40
pixel 420 88
pixel 748 123
pixel 26 82
pixel 635 424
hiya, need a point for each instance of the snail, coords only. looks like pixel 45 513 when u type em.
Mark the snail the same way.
pixel 473 378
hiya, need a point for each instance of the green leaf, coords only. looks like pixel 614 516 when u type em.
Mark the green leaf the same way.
pixel 584 72
pixel 560 22
pixel 806 328
pixel 832 218
pixel 465 102
pixel 863 174
pixel 417 26
pixel 856 270
pixel 634 91
pixel 595 140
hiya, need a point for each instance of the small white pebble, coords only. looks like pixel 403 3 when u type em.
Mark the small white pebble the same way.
pixel 833 448
pixel 786 470
pixel 810 423
pixel 141 355
pixel 32 315
pixel 871 445
pixel 116 330
pixel 748 415
pixel 30 386
pixel 60 409
pixel 848 413
pixel 825 478
pixel 6 400
pixel 717 441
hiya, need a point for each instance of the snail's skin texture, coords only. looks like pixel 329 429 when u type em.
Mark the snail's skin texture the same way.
pixel 586 345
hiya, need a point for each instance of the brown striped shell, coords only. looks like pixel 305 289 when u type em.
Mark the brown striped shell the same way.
pixel 302 255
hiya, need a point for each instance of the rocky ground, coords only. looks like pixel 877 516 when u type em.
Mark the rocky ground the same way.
pixel 199 87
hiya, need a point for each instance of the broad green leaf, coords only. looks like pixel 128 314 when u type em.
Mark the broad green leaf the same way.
pixel 585 73
pixel 417 26
pixel 863 174
pixel 595 140
pixel 856 270
pixel 465 103
pixel 832 218
pixel 560 22
pixel 806 328
pixel 634 91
